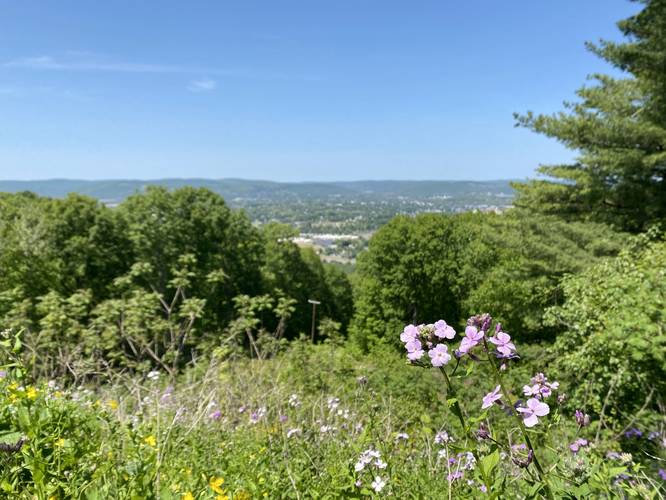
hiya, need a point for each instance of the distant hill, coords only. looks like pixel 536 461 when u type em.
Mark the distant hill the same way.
pixel 240 191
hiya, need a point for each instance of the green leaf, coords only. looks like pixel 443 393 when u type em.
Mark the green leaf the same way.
pixel 489 462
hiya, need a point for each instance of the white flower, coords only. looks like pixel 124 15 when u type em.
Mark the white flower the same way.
pixel 293 432
pixel 294 402
pixel 442 437
pixel 153 375
pixel 378 484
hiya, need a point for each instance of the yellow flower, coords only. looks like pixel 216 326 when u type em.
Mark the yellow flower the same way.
pixel 265 494
pixel 57 394
pixel 222 497
pixel 31 393
pixel 151 441
pixel 187 496
pixel 60 443
pixel 242 495
pixel 113 404
pixel 216 484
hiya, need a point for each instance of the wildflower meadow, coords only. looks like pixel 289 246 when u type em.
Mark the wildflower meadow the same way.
pixel 461 415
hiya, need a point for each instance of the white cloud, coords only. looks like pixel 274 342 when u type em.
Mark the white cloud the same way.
pixel 202 85
pixel 50 63
pixel 84 61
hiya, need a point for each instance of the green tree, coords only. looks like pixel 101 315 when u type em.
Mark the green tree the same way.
pixel 163 226
pixel 298 273
pixel 612 350
pixel 619 129
pixel 420 269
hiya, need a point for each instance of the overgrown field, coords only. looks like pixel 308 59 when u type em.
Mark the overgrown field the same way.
pixel 317 421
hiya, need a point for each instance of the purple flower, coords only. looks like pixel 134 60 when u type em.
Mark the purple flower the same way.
pixel 544 391
pixel 283 418
pixel 215 415
pixel 582 419
pixel 662 474
pixel 533 410
pixel 456 475
pixel 490 398
pixel 633 432
pixel 3 373
pixel 439 356
pixel 410 332
pixel 444 331
pixel 503 342
pixel 577 445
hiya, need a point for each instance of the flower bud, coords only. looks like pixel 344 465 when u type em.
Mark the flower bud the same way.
pixel 524 463
pixel 582 419
pixel 483 432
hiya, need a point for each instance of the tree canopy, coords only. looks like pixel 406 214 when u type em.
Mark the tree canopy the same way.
pixel 618 128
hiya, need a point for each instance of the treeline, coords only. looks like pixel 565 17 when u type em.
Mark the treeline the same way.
pixel 161 277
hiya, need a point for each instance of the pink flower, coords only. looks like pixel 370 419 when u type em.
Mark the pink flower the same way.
pixel 490 398
pixel 534 409
pixel 531 390
pixel 473 333
pixel 503 342
pixel 409 333
pixel 444 331
pixel 439 356
pixel 414 350
pixel 471 339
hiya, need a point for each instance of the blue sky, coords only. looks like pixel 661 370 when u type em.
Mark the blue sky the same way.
pixel 289 90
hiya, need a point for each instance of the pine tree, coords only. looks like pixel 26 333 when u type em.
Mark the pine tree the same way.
pixel 619 128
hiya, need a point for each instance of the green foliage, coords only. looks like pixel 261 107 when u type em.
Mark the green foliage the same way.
pixel 298 273
pixel 226 250
pixel 619 129
pixel 420 269
pixel 612 350
pixel 289 426
pixel 151 282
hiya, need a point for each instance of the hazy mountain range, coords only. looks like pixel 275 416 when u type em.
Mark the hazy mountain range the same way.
pixel 241 191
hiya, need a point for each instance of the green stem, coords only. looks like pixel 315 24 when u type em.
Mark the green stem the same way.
pixel 457 410
pixel 523 429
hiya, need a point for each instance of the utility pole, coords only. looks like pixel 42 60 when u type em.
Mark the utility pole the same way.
pixel 314 303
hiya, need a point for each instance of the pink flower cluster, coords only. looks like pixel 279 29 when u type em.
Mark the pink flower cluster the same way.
pixel 429 338
pixel 540 387
pixel 419 338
